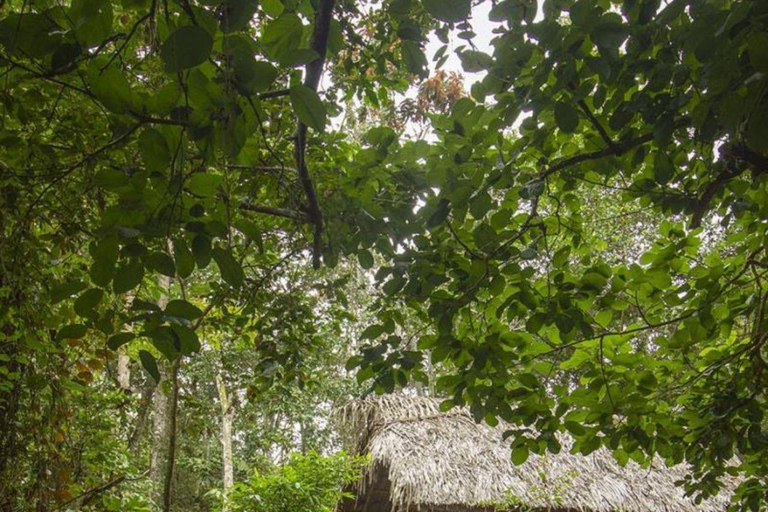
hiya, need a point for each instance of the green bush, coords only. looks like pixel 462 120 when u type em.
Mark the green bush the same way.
pixel 307 483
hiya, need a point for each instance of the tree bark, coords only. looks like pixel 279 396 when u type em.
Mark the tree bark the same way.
pixel 227 416
pixel 173 410
pixel 161 421
pixel 160 435
pixel 123 371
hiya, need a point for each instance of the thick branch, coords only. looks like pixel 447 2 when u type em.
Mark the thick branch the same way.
pixel 318 43
pixel 736 156
pixel 617 149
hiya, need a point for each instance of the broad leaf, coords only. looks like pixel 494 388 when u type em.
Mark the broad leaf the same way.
pixel 308 107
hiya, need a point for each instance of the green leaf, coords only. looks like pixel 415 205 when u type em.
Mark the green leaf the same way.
pixel 165 341
pixel 446 405
pixel 118 340
pixel 71 332
pixel 394 285
pixel 150 364
pixel 283 35
pixel 128 277
pixel 604 317
pixel 440 213
pixel 230 269
pixel 185 261
pixel 188 341
pixel 92 21
pixel 528 380
pixel 111 179
pixel 204 184
pixel 610 35
pixel 365 258
pixel 308 107
pixel 161 262
pixel 237 14
pixel 415 60
pixel 201 250
pixel 254 76
pixel 154 150
pixel 566 117
pixel 758 51
pixel 183 309
pixel 663 168
pixel 186 48
pixel 31 34
pixel 110 86
pixel 372 332
pixel 448 10
pixel 520 454
pixel 87 301
pixel 66 290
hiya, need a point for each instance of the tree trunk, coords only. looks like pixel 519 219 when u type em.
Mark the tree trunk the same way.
pixel 227 415
pixel 173 409
pixel 160 435
pixel 123 371
pixel 161 420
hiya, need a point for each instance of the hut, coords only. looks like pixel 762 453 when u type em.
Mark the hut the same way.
pixel 429 461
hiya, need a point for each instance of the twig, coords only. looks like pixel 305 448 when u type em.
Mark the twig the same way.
pixel 278 212
pixel 274 94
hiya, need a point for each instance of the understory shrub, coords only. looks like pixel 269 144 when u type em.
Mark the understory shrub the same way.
pixel 307 483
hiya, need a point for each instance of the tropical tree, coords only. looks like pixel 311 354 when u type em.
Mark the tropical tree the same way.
pixel 144 140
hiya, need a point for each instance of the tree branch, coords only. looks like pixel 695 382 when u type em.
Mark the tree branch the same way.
pixel 274 94
pixel 617 149
pixel 735 156
pixel 596 123
pixel 278 212
pixel 318 43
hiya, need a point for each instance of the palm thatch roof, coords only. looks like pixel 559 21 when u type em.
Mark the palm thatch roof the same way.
pixel 423 459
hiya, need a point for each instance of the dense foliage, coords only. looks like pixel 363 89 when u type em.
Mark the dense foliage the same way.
pixel 307 482
pixel 579 244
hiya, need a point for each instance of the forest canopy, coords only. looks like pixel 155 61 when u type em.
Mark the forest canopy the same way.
pixel 219 220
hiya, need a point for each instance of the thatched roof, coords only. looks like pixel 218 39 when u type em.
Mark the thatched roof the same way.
pixel 430 460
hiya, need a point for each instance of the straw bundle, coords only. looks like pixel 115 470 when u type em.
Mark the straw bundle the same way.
pixel 423 459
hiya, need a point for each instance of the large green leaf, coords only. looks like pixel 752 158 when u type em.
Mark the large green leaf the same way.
pixel 150 365
pixel 204 184
pixel 237 14
pixel 154 150
pixel 415 60
pixel 230 269
pixel 128 277
pixel 71 332
pixel 186 48
pixel 185 261
pixel 92 20
pixel 566 117
pixel 110 86
pixel 183 309
pixel 283 35
pixel 448 10
pixel 87 301
pixel 308 107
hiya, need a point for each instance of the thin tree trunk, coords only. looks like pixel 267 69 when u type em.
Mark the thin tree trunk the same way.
pixel 160 435
pixel 123 371
pixel 145 402
pixel 161 420
pixel 168 487
pixel 227 415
